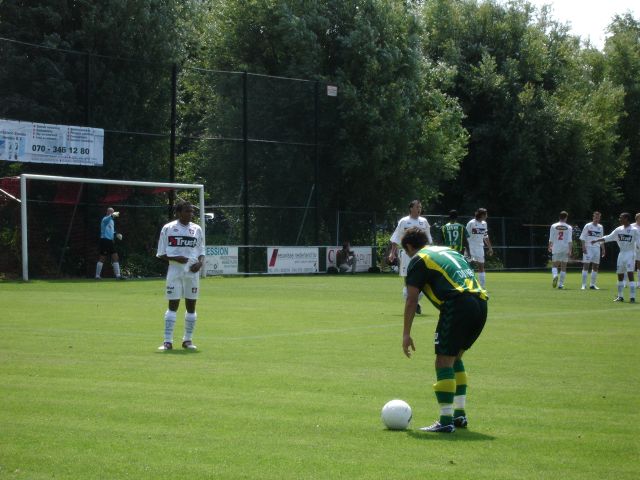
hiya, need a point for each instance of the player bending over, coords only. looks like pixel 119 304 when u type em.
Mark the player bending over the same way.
pixel 450 284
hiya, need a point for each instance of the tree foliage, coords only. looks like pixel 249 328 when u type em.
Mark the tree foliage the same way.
pixel 542 121
pixel 391 135
pixel 622 58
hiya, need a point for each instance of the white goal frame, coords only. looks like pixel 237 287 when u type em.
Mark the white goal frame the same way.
pixel 23 203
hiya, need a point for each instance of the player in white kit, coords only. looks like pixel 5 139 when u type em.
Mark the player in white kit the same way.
pixel 628 238
pixel 412 220
pixel 591 253
pixel 181 243
pixel 479 237
pixel 560 243
pixel 637 226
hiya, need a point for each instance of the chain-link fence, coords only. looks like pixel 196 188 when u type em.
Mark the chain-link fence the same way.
pixel 262 146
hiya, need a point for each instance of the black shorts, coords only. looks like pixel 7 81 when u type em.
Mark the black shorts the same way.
pixel 461 321
pixel 106 247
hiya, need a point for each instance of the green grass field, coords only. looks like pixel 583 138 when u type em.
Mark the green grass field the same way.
pixel 292 372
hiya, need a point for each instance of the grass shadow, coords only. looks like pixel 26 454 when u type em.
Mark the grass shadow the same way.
pixel 460 435
pixel 177 351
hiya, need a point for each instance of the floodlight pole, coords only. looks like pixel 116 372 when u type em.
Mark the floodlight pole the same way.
pixel 29 176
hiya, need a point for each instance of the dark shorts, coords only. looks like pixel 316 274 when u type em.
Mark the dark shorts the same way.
pixel 106 247
pixel 461 321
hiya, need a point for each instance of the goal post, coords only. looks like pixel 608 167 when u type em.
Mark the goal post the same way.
pixel 129 183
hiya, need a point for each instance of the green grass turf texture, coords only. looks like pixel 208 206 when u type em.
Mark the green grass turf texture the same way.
pixel 291 374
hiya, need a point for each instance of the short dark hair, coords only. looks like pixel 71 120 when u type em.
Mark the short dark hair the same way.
pixel 414 237
pixel 564 215
pixel 181 205
pixel 453 214
pixel 626 215
pixel 413 203
pixel 480 212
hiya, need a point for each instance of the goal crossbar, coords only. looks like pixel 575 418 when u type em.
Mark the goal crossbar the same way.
pixel 131 183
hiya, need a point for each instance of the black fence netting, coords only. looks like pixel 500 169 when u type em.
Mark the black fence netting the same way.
pixel 263 147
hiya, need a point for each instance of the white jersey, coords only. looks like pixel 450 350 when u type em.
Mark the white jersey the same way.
pixel 627 238
pixel 406 223
pixel 637 227
pixel 478 231
pixel 560 236
pixel 178 240
pixel 590 232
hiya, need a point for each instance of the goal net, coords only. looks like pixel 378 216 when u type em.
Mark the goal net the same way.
pixel 57 222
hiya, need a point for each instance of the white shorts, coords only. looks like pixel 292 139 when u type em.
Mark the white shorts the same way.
pixel 476 253
pixel 181 282
pixel 626 262
pixel 592 255
pixel 562 256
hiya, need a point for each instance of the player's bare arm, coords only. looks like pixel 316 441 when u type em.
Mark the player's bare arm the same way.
pixel 489 246
pixel 179 258
pixel 393 254
pixel 409 314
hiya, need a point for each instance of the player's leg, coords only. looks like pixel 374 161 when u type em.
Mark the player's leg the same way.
pixel 481 274
pixel 174 293
pixel 632 286
pixel 192 290
pixel 115 262
pixel 562 275
pixel 586 261
pixel 473 311
pixel 99 264
pixel 446 353
pixel 460 397
pixel 554 271
pixel 620 285
pixel 404 260
pixel 595 267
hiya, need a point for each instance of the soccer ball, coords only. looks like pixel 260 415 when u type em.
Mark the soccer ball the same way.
pixel 396 414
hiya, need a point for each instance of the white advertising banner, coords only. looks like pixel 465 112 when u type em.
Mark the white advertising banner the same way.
pixel 44 143
pixel 220 260
pixel 364 258
pixel 292 260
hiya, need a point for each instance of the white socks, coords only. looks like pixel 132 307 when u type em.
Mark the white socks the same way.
pixel 169 323
pixel 189 325
pixel 115 265
pixel 562 277
pixel 482 279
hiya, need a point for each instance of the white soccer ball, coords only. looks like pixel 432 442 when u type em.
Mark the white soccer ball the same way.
pixel 119 236
pixel 396 414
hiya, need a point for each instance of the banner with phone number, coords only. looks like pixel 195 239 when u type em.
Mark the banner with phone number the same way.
pixel 43 143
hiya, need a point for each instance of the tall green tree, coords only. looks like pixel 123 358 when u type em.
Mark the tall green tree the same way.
pixel 622 54
pixel 541 120
pixel 392 134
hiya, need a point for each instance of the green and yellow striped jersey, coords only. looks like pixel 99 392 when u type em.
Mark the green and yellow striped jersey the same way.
pixel 442 273
pixel 453 235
